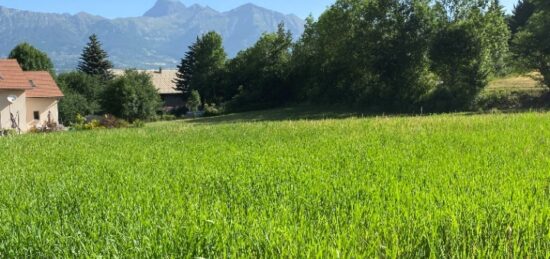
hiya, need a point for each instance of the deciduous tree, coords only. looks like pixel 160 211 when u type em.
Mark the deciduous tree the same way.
pixel 82 93
pixel 457 56
pixel 31 58
pixel 131 96
pixel 259 74
pixel 532 42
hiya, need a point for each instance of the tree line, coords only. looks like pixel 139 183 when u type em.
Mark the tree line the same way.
pixel 92 88
pixel 385 55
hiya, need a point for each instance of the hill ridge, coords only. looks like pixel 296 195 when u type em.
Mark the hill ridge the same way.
pixel 159 38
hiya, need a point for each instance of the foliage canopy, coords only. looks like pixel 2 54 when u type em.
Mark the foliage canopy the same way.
pixel 31 58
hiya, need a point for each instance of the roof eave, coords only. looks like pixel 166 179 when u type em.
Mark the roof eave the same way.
pixel 57 96
pixel 13 88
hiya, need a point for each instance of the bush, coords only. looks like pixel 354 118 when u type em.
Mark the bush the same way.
pixel 109 121
pixel 515 100
pixel 212 110
pixel 497 100
pixel 162 117
pixel 92 125
pixel 95 122
pixel 168 117
pixel 194 101
pixel 81 94
pixel 82 124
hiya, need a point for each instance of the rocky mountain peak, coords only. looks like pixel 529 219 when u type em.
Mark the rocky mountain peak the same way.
pixel 165 8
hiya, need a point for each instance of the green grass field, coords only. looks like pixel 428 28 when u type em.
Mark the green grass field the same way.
pixel 449 186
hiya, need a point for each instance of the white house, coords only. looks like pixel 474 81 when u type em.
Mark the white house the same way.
pixel 27 99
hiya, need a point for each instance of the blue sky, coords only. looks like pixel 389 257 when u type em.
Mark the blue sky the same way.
pixel 126 8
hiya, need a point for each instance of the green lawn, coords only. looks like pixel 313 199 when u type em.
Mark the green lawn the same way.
pixel 445 186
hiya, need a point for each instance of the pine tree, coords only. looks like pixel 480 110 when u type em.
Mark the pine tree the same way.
pixel 93 60
pixel 185 72
pixel 520 15
pixel 201 67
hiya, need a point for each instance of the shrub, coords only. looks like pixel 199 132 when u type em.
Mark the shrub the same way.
pixel 110 121
pixel 107 121
pixel 194 101
pixel 212 110
pixel 162 117
pixel 497 100
pixel 81 94
pixel 515 100
pixel 82 124
pixel 168 117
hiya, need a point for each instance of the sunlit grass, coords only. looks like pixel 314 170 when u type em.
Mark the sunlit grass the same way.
pixel 445 186
pixel 525 82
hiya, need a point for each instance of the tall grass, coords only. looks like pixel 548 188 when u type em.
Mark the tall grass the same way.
pixel 442 186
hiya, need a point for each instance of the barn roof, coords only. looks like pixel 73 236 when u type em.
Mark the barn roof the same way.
pixel 163 80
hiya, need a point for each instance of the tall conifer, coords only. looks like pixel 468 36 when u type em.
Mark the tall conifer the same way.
pixel 94 60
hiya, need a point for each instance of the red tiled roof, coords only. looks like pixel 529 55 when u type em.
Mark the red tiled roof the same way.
pixel 12 76
pixel 43 85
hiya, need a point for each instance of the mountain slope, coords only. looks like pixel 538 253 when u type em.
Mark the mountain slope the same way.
pixel 159 38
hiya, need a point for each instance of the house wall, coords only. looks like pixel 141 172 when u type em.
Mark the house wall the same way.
pixel 43 106
pixel 18 107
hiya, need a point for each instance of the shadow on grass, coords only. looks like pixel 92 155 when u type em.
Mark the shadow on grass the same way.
pixel 295 113
pixel 515 102
pixel 286 114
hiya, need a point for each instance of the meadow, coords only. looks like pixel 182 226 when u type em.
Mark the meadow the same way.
pixel 517 82
pixel 434 186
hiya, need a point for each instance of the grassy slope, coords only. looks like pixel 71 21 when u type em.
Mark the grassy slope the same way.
pixel 442 185
pixel 516 83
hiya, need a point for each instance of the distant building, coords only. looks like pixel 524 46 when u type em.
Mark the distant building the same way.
pixel 163 80
pixel 27 99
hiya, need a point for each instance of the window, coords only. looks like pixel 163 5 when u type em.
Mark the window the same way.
pixel 36 115
pixel 32 83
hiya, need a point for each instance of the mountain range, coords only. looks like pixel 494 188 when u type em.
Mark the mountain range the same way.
pixel 159 38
